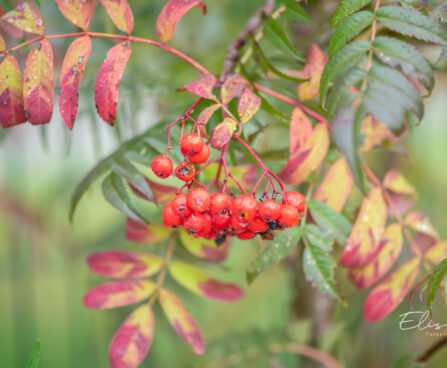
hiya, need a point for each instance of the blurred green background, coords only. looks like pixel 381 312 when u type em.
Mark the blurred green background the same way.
pixel 43 275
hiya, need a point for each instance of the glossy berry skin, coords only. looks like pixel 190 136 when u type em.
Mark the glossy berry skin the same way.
pixel 170 218
pixel 207 226
pixel 289 216
pixel 185 171
pixel 194 223
pixel 180 205
pixel 162 166
pixel 201 157
pixel 258 225
pixel 220 203
pixel 191 144
pixel 199 199
pixel 244 208
pixel 221 221
pixel 269 210
pixel 245 235
pixel 237 226
pixel 296 199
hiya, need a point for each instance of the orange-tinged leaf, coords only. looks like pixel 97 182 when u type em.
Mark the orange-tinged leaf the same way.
pixel 170 15
pixel 390 292
pixel 133 339
pixel 307 157
pixel 375 133
pixel 140 232
pixel 426 234
pixel 205 116
pixel 248 105
pixel 336 186
pixel 437 252
pixel 118 294
pixel 312 71
pixel 222 133
pixel 181 320
pixel 389 250
pixel 120 13
pixel 203 86
pixel 202 284
pixel 26 18
pixel 205 249
pixel 108 81
pixel 72 69
pixel 300 129
pixel 367 232
pixel 402 193
pixel 78 12
pixel 124 265
pixel 11 95
pixel 38 85
pixel 233 87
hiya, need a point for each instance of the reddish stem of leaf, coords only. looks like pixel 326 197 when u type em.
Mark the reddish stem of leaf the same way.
pixel 292 102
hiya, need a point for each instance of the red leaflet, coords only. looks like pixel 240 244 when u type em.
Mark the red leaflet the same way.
pixel 118 294
pixel 108 81
pixel 139 232
pixel 248 105
pixel 25 18
pixel 181 320
pixel 38 86
pixel 132 341
pixel 204 117
pixel 78 12
pixel 233 87
pixel 120 13
pixel 173 11
pixel 72 69
pixel 203 86
pixel 426 234
pixel 222 133
pixel 11 97
pixel 124 265
pixel 402 193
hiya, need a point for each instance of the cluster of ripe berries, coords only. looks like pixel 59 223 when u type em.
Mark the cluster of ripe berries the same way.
pixel 194 148
pixel 215 216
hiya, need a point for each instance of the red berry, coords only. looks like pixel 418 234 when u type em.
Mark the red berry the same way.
pixel 269 210
pixel 222 221
pixel 185 171
pixel 220 202
pixel 258 225
pixel 170 219
pixel 201 157
pixel 244 208
pixel 245 235
pixel 199 199
pixel 237 226
pixel 207 226
pixel 194 223
pixel 191 144
pixel 180 205
pixel 212 235
pixel 162 166
pixel 296 199
pixel 289 216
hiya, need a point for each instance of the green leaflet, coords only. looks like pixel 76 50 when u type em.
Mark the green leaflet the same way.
pixel 340 62
pixel 438 275
pixel 274 33
pixel 396 53
pixel 348 29
pixel 115 192
pixel 34 358
pixel 346 8
pixel 336 226
pixel 410 22
pixel 346 127
pixel 296 11
pixel 389 96
pixel 274 252
pixel 318 265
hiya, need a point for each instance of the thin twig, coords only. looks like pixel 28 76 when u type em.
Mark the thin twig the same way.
pixel 432 350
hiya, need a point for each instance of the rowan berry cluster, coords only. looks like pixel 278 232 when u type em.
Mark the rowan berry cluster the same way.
pixel 217 215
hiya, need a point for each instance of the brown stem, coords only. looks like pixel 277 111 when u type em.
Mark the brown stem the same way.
pixel 233 51
pixel 425 356
pixel 371 50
